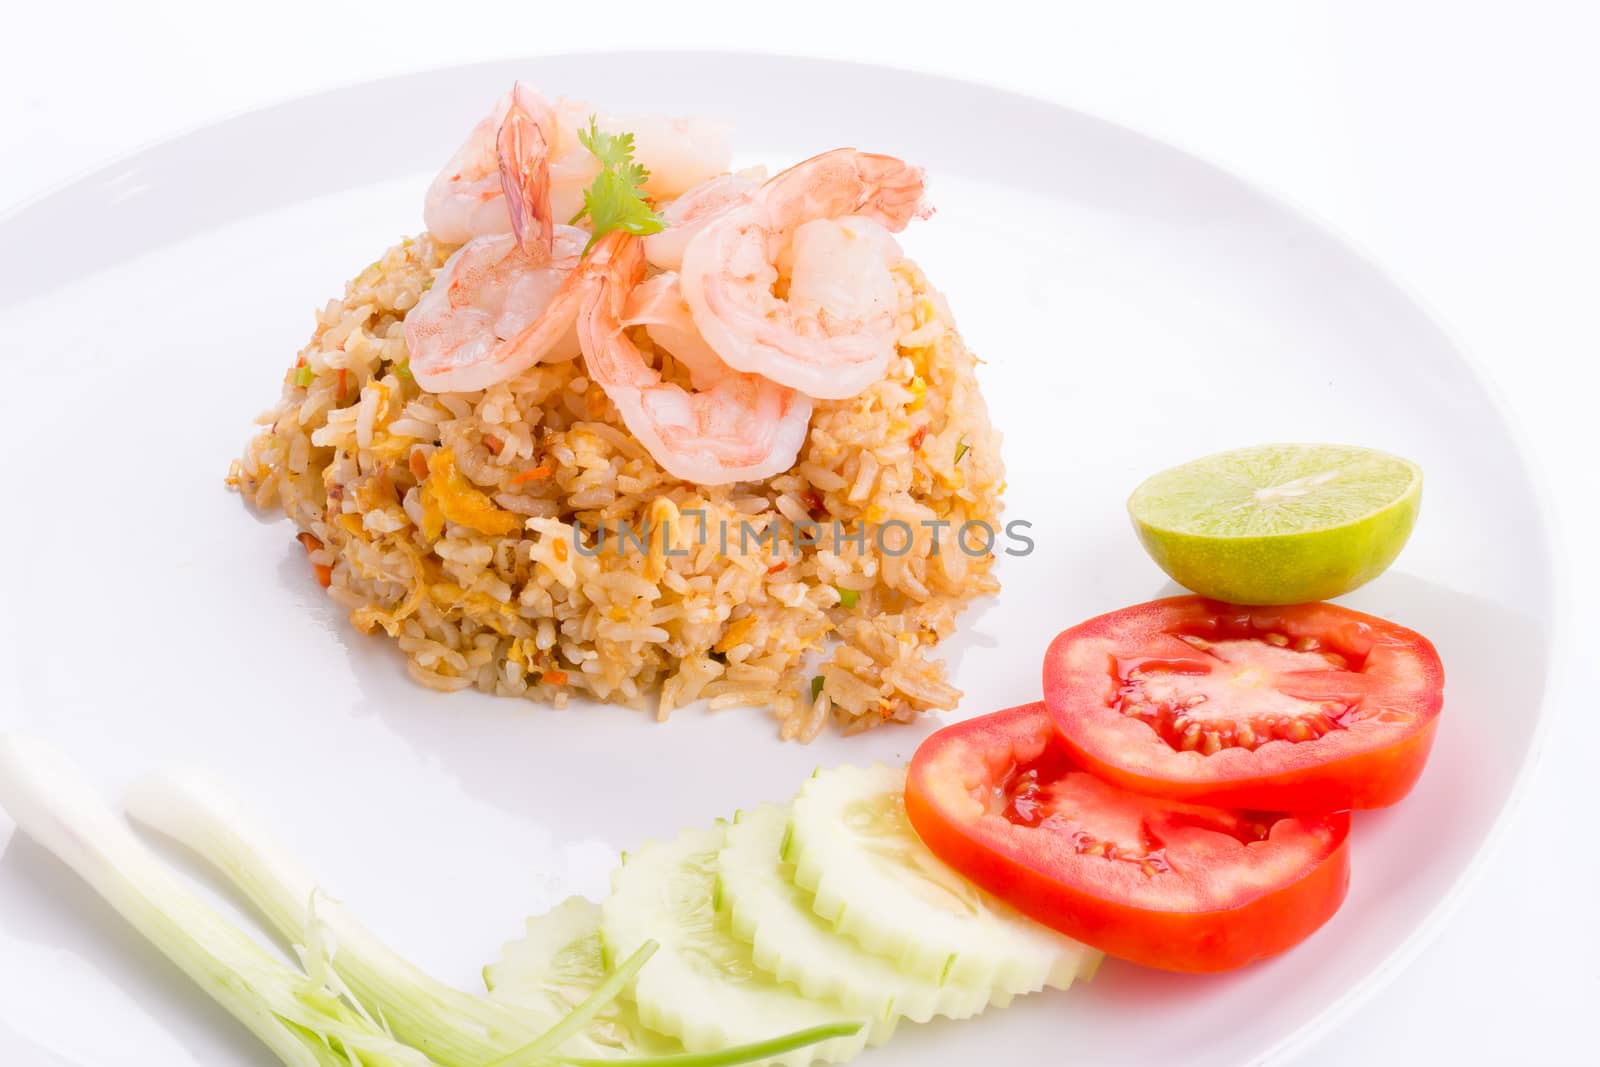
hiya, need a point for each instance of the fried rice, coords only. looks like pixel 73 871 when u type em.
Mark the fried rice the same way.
pixel 482 532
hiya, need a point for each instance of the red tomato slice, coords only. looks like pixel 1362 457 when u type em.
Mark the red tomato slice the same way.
pixel 1160 882
pixel 1310 707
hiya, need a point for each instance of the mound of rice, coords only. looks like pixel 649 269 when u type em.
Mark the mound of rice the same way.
pixel 448 521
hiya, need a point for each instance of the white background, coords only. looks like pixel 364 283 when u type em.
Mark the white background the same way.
pixel 1456 142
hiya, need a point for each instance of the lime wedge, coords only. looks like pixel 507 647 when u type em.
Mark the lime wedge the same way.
pixel 1278 524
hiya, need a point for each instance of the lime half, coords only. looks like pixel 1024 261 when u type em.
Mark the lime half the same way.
pixel 1278 524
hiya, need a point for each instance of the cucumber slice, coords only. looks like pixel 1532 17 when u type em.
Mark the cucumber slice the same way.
pixel 554 967
pixel 790 940
pixel 874 880
pixel 703 986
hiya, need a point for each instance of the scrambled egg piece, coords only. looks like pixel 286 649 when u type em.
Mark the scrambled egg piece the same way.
pixel 448 495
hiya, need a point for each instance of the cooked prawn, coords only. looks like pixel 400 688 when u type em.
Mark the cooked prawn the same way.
pixel 825 225
pixel 502 302
pixel 657 304
pixel 495 310
pixel 679 153
pixel 733 427
pixel 466 200
pixel 692 212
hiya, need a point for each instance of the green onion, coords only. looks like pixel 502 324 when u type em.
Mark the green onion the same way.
pixel 307 1019
pixel 353 1002
pixel 848 598
pixel 303 377
pixel 578 1018
pixel 403 368
pixel 757 1050
pixel 962 449
pixel 452 1028
pixel 816 687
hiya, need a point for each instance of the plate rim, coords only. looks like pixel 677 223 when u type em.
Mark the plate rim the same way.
pixel 1552 705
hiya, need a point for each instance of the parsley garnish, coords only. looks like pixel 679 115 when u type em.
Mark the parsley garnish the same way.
pixel 613 201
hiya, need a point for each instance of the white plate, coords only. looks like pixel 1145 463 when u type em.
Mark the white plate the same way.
pixel 1136 308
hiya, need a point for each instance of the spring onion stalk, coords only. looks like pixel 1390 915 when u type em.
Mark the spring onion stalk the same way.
pixel 580 1017
pixel 357 1003
pixel 304 1023
pixel 757 1050
pixel 454 1028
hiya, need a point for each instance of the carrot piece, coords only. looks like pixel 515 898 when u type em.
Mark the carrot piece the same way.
pixel 324 572
pixel 343 374
pixel 917 438
pixel 554 677
pixel 778 566
pixel 532 474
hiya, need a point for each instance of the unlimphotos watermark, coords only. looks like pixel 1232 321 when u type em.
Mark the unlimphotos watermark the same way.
pixel 896 537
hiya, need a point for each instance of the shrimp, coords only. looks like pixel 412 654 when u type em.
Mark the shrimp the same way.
pixel 826 224
pixel 502 302
pixel 679 153
pixel 657 304
pixel 692 212
pixel 495 310
pixel 467 199
pixel 733 427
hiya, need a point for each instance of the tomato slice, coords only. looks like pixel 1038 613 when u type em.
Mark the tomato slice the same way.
pixel 1310 707
pixel 1160 882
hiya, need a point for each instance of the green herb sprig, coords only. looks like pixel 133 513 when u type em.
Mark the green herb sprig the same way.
pixel 613 200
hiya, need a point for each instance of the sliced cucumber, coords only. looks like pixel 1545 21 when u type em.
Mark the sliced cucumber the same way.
pixel 790 940
pixel 703 986
pixel 554 966
pixel 874 880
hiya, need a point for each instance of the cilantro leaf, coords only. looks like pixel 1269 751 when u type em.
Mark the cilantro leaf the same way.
pixel 613 201
pixel 611 149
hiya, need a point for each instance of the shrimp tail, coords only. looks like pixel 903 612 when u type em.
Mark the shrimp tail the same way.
pixel 523 154
pixel 610 271
pixel 892 190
